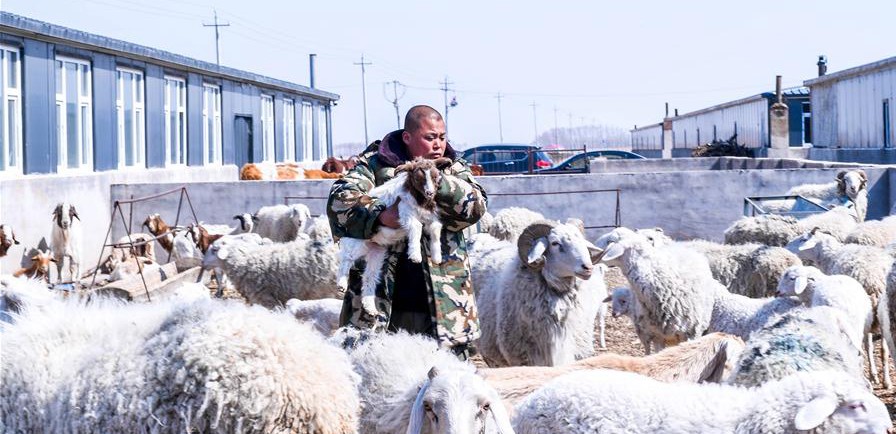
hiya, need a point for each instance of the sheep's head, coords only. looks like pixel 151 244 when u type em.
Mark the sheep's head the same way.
pixel 840 404
pixel 423 179
pixel 620 301
pixel 247 221
pixel 457 401
pixel 7 239
pixel 796 279
pixel 558 250
pixel 299 214
pixel 804 246
pixel 616 235
pixel 64 214
pixel 851 182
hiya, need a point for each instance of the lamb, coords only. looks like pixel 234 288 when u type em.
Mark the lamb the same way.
pixel 537 299
pixel 414 188
pixel 271 274
pixel 281 223
pixel 850 186
pixel 707 358
pixel 66 240
pixel 408 385
pixel 623 302
pixel 7 239
pixel 39 268
pixel 741 315
pixel 802 339
pixel 868 265
pixel 323 314
pixel 509 223
pixel 133 266
pixel 616 402
pixel 747 269
pixel 877 233
pixel 775 230
pixel 172 366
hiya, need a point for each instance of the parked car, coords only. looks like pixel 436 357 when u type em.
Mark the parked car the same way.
pixel 579 162
pixel 507 158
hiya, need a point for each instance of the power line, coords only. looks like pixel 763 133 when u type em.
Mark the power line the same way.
pixel 395 98
pixel 364 94
pixel 216 25
pixel 500 126
pixel 445 89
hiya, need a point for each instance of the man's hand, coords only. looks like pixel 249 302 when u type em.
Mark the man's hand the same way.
pixel 389 216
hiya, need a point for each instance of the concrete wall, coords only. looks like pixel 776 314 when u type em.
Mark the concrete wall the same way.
pixel 26 204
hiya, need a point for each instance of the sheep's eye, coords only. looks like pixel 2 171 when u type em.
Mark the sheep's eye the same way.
pixel 555 243
pixel 811 279
pixel 427 406
pixel 486 407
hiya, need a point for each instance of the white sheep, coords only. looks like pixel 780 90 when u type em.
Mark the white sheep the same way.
pixel 877 233
pixel 19 292
pixel 868 265
pixel 849 186
pixel 776 230
pixel 176 366
pixel 708 358
pixel 747 269
pixel 597 402
pixel 414 189
pixel 509 223
pixel 281 223
pixel 323 314
pixel 801 339
pixel 623 302
pixel 741 315
pixel 65 240
pixel 537 298
pixel 409 385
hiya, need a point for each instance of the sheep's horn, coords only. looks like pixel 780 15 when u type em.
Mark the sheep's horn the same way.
pixel 533 232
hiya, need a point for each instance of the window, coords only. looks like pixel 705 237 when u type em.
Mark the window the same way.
pixel 74 114
pixel 175 121
pixel 131 118
pixel 289 130
pixel 886 112
pixel 807 122
pixel 267 127
pixel 211 124
pixel 10 110
pixel 323 135
pixel 307 131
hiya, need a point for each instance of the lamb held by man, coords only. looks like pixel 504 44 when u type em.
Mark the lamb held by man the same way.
pixel 414 188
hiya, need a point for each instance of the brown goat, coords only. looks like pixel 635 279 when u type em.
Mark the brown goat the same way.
pixel 7 239
pixel 320 174
pixel 202 237
pixel 477 170
pixel 335 165
pixel 39 268
pixel 156 226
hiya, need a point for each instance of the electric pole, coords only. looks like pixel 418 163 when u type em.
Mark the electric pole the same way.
pixel 395 98
pixel 535 120
pixel 556 129
pixel 445 90
pixel 216 25
pixel 500 126
pixel 364 95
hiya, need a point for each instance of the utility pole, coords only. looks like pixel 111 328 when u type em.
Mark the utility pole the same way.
pixel 216 25
pixel 572 139
pixel 364 95
pixel 535 120
pixel 500 126
pixel 445 90
pixel 556 129
pixel 395 98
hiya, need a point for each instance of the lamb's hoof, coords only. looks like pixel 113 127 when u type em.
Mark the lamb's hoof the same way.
pixel 342 283
pixel 437 259
pixel 368 304
pixel 415 257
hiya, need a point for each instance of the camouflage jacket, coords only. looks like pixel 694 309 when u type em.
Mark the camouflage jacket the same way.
pixel 462 202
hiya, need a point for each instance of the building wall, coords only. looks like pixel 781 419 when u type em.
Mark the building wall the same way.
pixel 647 138
pixel 848 112
pixel 748 119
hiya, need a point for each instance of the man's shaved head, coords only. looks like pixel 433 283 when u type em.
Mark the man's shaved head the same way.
pixel 417 114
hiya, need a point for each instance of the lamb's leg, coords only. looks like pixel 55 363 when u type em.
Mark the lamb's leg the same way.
pixel 601 320
pixel 350 249
pixel 221 280
pixel 434 230
pixel 885 364
pixel 376 256
pixel 415 232
pixel 869 352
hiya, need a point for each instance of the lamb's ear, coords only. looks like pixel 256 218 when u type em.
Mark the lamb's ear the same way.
pixel 578 223
pixel 608 299
pixel 594 251
pixel 415 424
pixel 614 250
pixel 536 253
pixel 809 244
pixel 814 413
pixel 799 285
pixel 715 370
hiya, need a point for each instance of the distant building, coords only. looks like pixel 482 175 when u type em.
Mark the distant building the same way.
pixel 74 102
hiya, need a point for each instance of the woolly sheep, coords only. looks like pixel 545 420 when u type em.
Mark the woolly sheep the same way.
pixel 323 314
pixel 617 402
pixel 623 302
pixel 707 358
pixel 281 223
pixel 17 292
pixel 868 265
pixel 878 233
pixel 65 241
pixel 204 366
pixel 886 310
pixel 509 223
pixel 776 230
pixel 741 315
pixel 849 186
pixel 747 269
pixel 537 299
pixel 271 274
pixel 408 385
pixel 802 339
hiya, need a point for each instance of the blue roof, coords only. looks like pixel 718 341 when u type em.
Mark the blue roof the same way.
pixel 35 29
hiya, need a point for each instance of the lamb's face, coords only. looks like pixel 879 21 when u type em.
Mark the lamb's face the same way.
pixel 851 182
pixel 805 246
pixel 843 405
pixel 795 280
pixel 613 236
pixel 621 302
pixel 459 402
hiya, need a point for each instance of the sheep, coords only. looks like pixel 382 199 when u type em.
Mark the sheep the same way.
pixel 7 239
pixel 776 230
pixel 868 265
pixel 250 239
pixel 802 339
pixel 850 186
pixel 623 302
pixel 673 284
pixel 537 299
pixel 413 188
pixel 172 366
pixel 877 233
pixel 247 223
pixel 271 274
pixel 281 223
pixel 133 266
pixel 885 313
pixel 323 314
pixel 66 240
pixel 707 358
pixel 39 268
pixel 617 402
pixel 408 385
pixel 747 269
pixel 509 223
pixel 19 292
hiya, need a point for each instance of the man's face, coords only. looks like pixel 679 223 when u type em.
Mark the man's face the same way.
pixel 428 141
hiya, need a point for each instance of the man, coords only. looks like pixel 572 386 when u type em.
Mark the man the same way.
pixel 427 298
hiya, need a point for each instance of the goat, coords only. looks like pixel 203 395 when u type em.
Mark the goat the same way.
pixel 39 267
pixel 321 174
pixel 7 239
pixel 66 240
pixel 335 165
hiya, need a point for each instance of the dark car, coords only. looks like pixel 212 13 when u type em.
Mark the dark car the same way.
pixel 507 158
pixel 579 162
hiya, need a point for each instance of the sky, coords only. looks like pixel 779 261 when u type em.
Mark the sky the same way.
pixel 554 64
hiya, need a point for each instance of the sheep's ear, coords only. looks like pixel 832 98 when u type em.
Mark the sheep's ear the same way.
pixel 608 299
pixel 840 175
pixel 594 251
pixel 578 223
pixel 658 229
pixel 614 250
pixel 536 253
pixel 223 253
pixel 809 244
pixel 799 285
pixel 415 424
pixel 814 413
pixel 863 175
pixel 499 414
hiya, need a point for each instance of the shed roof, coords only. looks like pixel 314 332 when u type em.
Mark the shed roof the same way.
pixel 851 72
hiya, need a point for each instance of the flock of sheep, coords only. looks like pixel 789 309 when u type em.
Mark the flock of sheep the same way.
pixel 763 334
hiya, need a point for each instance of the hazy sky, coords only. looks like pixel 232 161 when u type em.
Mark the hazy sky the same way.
pixel 579 62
